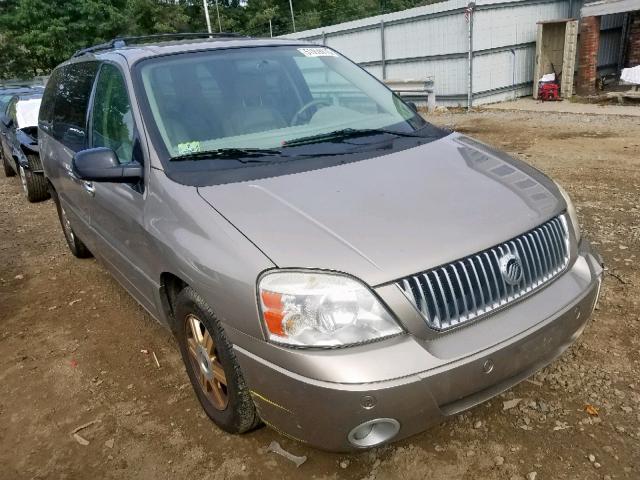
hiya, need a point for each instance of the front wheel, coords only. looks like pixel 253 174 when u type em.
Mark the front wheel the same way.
pixel 77 246
pixel 8 169
pixel 211 365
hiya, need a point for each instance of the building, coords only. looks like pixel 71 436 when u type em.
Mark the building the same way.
pixel 592 16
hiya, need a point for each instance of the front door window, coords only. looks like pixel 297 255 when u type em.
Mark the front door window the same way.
pixel 112 121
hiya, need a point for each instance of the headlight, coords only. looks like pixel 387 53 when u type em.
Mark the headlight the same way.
pixel 318 309
pixel 571 211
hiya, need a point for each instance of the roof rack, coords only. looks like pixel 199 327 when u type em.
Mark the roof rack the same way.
pixel 120 42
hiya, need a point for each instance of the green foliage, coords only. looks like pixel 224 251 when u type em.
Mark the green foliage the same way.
pixel 37 35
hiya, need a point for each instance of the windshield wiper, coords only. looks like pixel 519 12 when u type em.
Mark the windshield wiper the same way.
pixel 242 155
pixel 342 134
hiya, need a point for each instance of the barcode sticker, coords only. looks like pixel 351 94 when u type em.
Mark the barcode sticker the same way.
pixel 188 147
pixel 317 52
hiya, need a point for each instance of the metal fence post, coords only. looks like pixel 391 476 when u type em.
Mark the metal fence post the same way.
pixel 469 16
pixel 382 52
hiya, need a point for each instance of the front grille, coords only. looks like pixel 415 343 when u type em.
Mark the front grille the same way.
pixel 466 289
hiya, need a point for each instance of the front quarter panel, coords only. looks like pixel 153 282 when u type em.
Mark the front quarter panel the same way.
pixel 197 244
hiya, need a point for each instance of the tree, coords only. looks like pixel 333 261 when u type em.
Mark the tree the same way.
pixel 37 35
pixel 43 33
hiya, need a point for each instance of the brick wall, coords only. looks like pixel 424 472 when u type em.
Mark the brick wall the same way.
pixel 588 56
pixel 633 47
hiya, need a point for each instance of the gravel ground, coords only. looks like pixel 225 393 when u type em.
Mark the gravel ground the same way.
pixel 71 341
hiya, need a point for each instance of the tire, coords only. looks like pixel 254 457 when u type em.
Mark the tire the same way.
pixel 33 184
pixel 238 414
pixel 77 247
pixel 8 169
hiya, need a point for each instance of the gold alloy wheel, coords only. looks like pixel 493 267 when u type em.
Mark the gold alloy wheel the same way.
pixel 204 360
pixel 23 179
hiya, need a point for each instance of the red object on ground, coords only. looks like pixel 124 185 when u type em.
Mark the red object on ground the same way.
pixel 549 91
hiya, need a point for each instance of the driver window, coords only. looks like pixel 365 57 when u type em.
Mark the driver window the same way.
pixel 112 120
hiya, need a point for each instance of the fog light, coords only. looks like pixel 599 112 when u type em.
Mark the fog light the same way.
pixel 374 432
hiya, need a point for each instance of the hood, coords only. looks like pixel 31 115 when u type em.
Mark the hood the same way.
pixel 390 216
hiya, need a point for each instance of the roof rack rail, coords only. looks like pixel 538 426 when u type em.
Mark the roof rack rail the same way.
pixel 120 42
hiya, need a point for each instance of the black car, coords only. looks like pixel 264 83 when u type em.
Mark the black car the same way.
pixel 19 144
pixel 8 91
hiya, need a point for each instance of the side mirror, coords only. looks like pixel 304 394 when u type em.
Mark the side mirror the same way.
pixel 7 121
pixel 413 106
pixel 101 165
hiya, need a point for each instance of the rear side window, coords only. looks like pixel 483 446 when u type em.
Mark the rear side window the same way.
pixel 45 118
pixel 72 92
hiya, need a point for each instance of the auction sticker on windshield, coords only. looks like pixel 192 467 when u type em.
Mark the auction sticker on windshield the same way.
pixel 188 147
pixel 317 52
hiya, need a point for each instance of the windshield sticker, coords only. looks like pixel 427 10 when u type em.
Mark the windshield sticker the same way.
pixel 188 147
pixel 317 52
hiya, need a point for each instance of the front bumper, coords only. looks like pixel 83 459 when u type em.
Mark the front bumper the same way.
pixel 444 378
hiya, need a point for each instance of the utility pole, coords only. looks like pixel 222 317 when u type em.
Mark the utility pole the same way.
pixel 270 28
pixel 206 15
pixel 218 12
pixel 293 20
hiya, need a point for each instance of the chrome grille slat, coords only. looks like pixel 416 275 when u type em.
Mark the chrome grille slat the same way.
pixel 473 296
pixel 537 258
pixel 551 247
pixel 534 264
pixel 486 278
pixel 495 299
pixel 528 276
pixel 422 298
pixel 443 297
pixel 438 318
pixel 558 239
pixel 451 292
pixel 499 280
pixel 464 294
pixel 466 289
pixel 475 273
pixel 544 255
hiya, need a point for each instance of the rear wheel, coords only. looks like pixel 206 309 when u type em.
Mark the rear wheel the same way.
pixel 211 365
pixel 8 169
pixel 77 247
pixel 33 184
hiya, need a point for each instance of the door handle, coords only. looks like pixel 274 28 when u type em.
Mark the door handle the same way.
pixel 89 188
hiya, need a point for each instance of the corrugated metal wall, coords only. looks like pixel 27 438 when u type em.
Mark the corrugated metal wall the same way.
pixel 432 41
pixel 610 38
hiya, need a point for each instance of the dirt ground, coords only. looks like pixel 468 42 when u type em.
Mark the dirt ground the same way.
pixel 71 341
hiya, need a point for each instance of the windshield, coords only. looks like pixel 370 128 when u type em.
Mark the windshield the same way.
pixel 265 98
pixel 27 112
